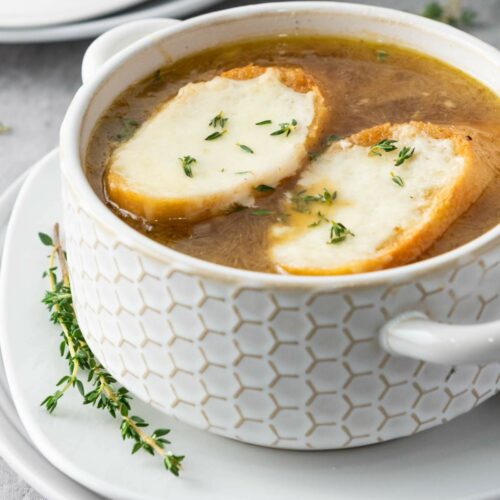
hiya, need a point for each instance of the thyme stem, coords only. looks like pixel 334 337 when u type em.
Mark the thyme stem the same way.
pixel 111 395
pixel 56 250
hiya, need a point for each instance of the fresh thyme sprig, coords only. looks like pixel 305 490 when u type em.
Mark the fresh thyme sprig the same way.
pixel 327 197
pixel 338 233
pixel 321 218
pixel 104 394
pixel 286 128
pixel 385 145
pixel 187 163
pixel 218 121
pixel 452 13
pixel 301 200
pixel 404 154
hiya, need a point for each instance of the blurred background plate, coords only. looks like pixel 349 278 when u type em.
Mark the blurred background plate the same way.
pixel 94 27
pixel 26 13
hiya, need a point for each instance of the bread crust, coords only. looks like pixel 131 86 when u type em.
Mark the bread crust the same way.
pixel 126 198
pixel 453 201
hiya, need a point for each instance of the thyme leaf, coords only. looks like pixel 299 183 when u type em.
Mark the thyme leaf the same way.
pixel 397 180
pixel 467 17
pixel 404 154
pixel 218 120
pixel 321 218
pixel 385 145
pixel 338 233
pixel 104 394
pixel 263 188
pixel 381 55
pixel 286 128
pixel 245 148
pixel 262 211
pixel 433 10
pixel 301 200
pixel 215 135
pixel 187 162
pixel 264 122
pixel 327 197
pixel 46 239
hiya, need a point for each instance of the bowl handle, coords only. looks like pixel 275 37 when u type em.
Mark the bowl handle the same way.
pixel 414 335
pixel 115 40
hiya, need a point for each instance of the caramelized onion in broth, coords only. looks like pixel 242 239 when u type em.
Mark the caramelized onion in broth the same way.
pixel 363 87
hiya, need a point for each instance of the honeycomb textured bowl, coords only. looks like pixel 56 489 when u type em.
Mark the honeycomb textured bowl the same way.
pixel 289 362
pixel 289 368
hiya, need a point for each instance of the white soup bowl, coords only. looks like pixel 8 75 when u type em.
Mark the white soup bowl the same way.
pixel 281 361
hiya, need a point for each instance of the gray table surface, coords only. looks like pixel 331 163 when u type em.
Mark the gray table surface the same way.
pixel 37 83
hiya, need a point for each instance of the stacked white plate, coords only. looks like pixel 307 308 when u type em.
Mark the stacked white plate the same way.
pixel 77 452
pixel 32 21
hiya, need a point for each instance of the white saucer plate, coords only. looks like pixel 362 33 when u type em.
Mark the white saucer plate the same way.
pixel 15 446
pixel 25 459
pixel 94 27
pixel 30 13
pixel 459 460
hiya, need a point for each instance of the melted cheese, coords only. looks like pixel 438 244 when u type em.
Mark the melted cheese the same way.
pixel 148 165
pixel 377 210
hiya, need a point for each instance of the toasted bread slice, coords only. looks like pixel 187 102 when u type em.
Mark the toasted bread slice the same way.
pixel 213 143
pixel 383 214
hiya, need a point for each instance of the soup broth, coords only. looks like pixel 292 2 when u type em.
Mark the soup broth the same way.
pixel 364 84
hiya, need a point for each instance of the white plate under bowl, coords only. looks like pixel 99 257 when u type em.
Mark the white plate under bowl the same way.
pixel 459 460
pixel 25 459
pixel 29 13
pixel 15 446
pixel 94 27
